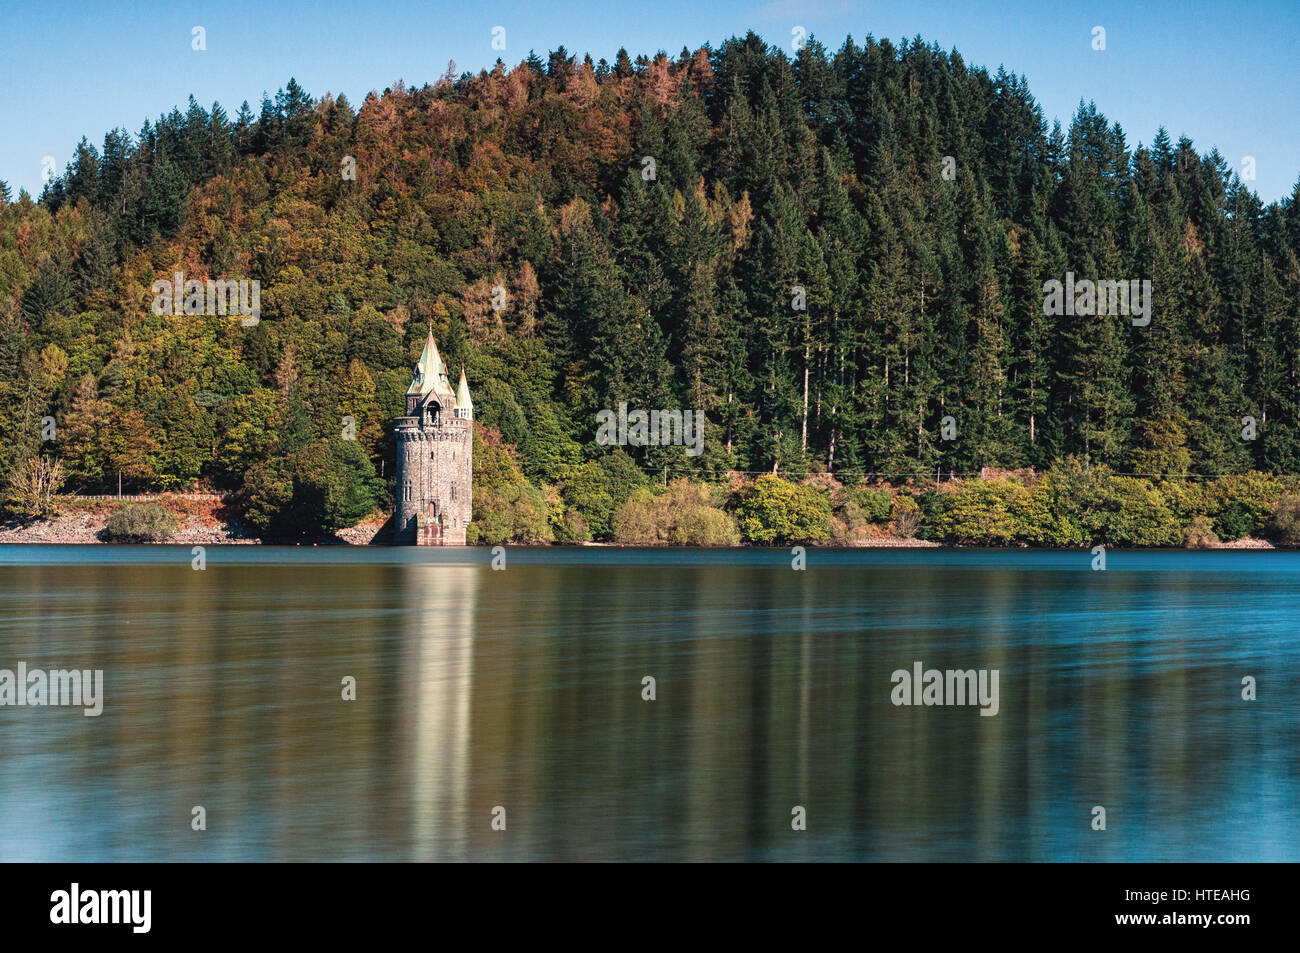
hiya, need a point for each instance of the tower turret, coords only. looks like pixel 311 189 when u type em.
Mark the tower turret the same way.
pixel 464 406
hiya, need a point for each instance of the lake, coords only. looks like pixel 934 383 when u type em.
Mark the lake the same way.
pixel 516 696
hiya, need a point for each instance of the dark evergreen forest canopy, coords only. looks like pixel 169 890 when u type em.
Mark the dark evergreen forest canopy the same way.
pixel 649 222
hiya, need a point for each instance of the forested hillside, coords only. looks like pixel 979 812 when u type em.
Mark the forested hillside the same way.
pixel 581 234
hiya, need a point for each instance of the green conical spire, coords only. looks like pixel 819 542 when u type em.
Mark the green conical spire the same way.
pixel 462 393
pixel 430 372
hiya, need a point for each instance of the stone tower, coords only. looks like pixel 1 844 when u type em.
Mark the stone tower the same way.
pixel 434 455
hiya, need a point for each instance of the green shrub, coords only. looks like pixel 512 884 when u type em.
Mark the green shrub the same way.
pixel 847 524
pixel 1187 499
pixel 774 511
pixel 876 505
pixel 906 516
pixel 704 526
pixel 977 512
pixel 509 513
pixel 639 521
pixel 1234 521
pixel 585 494
pixel 1284 526
pixel 574 529
pixel 1241 503
pixel 1055 527
pixel 931 504
pixel 324 486
pixel 1199 534
pixel 992 512
pixel 1091 504
pixel 1134 514
pixel 507 508
pixel 855 508
pixel 684 514
pixel 594 490
pixel 142 523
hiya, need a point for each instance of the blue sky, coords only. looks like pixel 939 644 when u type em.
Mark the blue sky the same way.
pixel 1224 74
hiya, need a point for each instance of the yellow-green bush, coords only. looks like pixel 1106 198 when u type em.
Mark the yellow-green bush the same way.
pixel 141 523
pixel 684 514
pixel 1284 525
pixel 773 511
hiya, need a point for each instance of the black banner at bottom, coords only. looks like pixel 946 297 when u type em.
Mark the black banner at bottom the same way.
pixel 145 903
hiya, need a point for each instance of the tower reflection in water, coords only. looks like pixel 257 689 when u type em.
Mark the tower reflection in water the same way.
pixel 439 623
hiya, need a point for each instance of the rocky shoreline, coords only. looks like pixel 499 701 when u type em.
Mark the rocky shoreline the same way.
pixel 88 525
pixel 83 527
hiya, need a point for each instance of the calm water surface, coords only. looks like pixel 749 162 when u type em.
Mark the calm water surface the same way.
pixel 523 689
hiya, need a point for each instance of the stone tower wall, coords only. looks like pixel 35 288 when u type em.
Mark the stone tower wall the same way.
pixel 434 474
pixel 447 458
pixel 407 489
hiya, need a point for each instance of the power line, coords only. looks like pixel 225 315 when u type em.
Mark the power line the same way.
pixel 948 475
